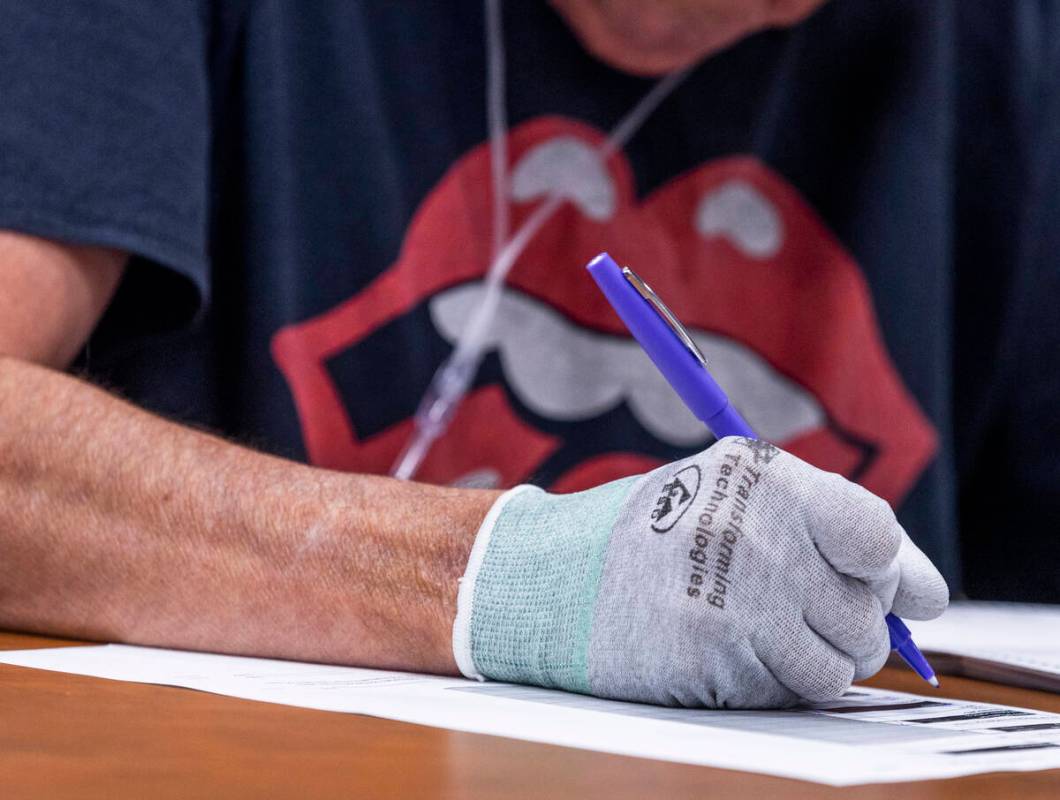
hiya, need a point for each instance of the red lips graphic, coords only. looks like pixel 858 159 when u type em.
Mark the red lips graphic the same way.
pixel 803 306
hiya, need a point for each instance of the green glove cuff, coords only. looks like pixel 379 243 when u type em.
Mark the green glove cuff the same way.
pixel 525 605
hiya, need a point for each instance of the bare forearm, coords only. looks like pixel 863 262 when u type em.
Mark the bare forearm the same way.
pixel 117 525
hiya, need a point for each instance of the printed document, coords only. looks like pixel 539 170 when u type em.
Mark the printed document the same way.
pixel 867 736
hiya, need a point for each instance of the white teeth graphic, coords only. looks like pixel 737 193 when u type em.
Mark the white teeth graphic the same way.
pixel 564 372
pixel 485 478
pixel 740 213
pixel 568 167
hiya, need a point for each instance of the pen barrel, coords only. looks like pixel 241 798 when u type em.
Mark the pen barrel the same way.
pixel 899 632
pixel 728 422
pixel 903 644
pixel 699 391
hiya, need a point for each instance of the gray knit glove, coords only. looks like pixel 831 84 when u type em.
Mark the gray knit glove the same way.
pixel 741 577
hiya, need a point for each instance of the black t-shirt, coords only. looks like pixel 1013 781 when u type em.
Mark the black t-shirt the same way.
pixel 858 217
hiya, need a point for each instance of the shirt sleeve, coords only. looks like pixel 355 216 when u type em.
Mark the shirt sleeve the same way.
pixel 104 132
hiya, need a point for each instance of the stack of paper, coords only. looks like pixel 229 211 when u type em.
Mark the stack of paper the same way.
pixel 1013 643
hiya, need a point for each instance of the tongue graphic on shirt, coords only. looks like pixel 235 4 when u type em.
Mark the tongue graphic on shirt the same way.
pixel 782 312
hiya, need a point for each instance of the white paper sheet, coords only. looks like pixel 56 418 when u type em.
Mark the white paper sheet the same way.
pixel 1014 643
pixel 868 736
pixel 1021 635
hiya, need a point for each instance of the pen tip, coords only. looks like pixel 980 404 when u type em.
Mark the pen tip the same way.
pixel 934 681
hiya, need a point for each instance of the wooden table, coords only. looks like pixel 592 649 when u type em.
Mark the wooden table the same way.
pixel 65 736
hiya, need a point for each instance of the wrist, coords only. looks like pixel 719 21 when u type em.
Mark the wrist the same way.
pixel 470 511
pixel 437 527
pixel 374 564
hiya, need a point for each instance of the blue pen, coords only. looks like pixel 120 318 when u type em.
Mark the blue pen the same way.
pixel 668 344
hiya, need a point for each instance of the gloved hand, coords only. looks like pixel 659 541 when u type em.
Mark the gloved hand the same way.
pixel 741 577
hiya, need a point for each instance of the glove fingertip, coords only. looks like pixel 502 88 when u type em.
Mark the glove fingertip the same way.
pixel 922 591
pixel 928 601
pixel 870 665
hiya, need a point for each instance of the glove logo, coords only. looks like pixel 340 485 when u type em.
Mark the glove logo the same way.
pixel 676 496
pixel 764 452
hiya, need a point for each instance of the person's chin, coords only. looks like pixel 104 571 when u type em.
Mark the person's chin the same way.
pixel 650 62
pixel 647 40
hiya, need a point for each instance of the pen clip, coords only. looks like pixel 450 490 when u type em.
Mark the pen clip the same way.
pixel 667 315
